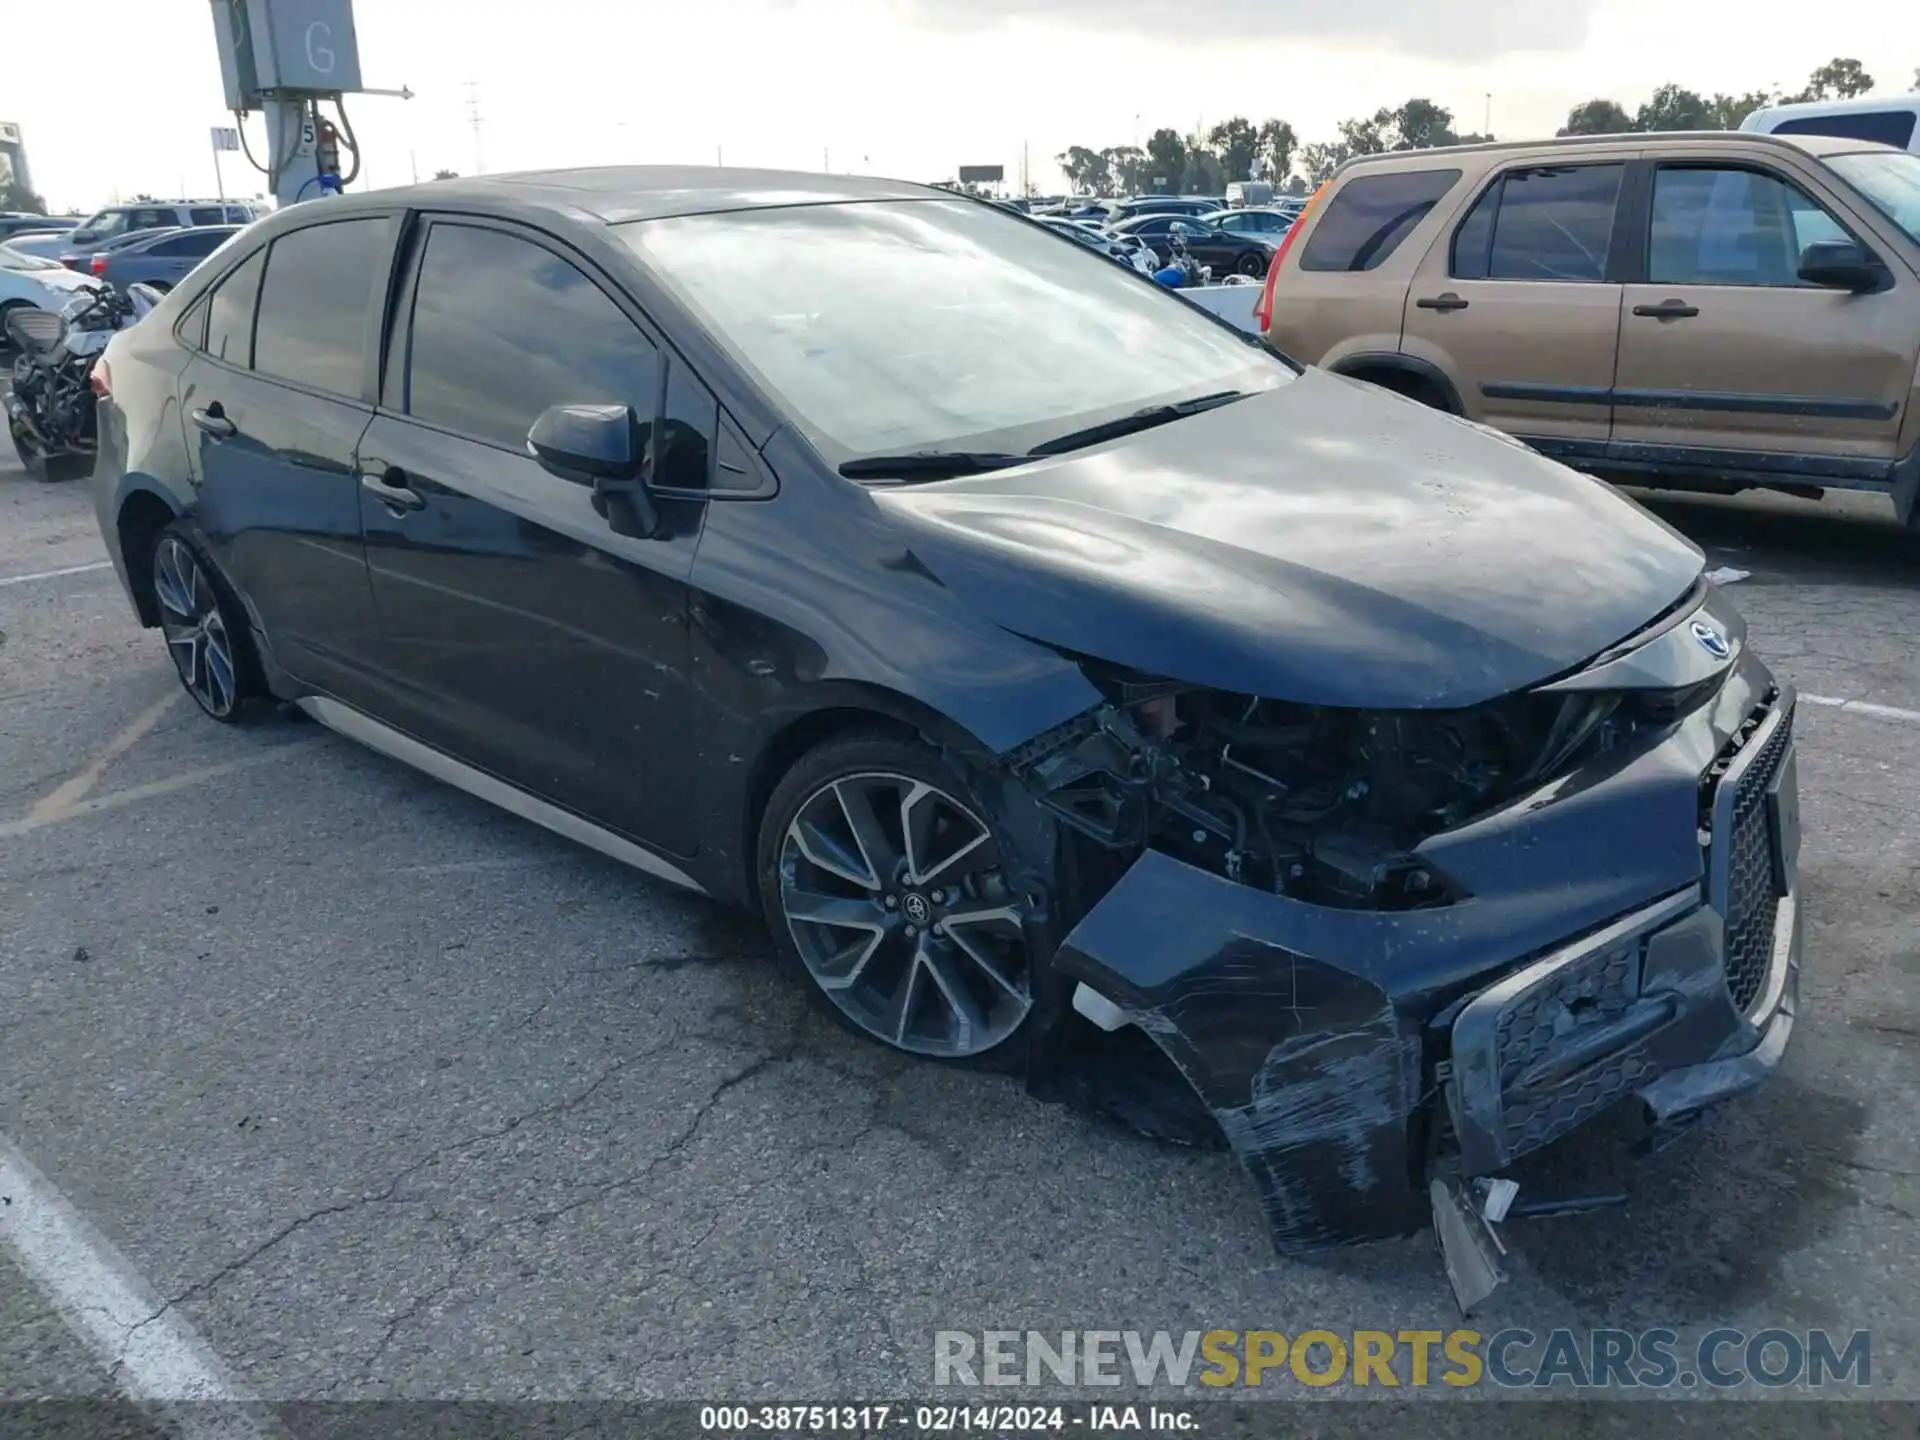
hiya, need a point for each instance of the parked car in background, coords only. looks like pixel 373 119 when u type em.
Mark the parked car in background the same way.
pixel 1159 205
pixel 1885 120
pixel 1269 220
pixel 1709 309
pixel 1242 193
pixel 118 221
pixel 18 222
pixel 34 281
pixel 162 259
pixel 1134 257
pixel 1225 252
pixel 1059 669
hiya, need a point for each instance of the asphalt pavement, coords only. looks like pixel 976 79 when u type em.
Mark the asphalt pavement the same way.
pixel 384 1093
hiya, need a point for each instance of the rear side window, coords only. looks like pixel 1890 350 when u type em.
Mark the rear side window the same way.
pixel 190 245
pixel 317 301
pixel 1544 223
pixel 1889 127
pixel 1370 215
pixel 205 215
pixel 230 317
pixel 503 328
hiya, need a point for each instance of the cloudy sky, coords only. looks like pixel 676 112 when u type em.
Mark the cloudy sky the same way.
pixel 909 88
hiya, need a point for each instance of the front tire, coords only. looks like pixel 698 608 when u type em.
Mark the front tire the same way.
pixel 206 630
pixel 1252 264
pixel 883 879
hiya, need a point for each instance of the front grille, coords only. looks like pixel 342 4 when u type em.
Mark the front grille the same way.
pixel 1753 882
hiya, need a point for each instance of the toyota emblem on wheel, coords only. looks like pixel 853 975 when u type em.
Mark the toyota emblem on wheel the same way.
pixel 1712 640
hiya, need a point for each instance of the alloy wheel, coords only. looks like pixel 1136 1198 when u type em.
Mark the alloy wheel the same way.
pixel 897 900
pixel 196 632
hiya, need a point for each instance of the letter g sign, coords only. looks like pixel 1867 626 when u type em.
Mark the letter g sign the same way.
pixel 320 47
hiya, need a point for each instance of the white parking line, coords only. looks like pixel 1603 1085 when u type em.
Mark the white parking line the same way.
pixel 38 819
pixel 72 791
pixel 56 574
pixel 153 1354
pixel 1865 707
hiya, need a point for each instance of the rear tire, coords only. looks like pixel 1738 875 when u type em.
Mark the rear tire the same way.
pixel 206 629
pixel 882 877
pixel 1252 264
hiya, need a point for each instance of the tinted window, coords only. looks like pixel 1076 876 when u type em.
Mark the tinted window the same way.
pixel 1550 223
pixel 1731 227
pixel 318 301
pixel 891 325
pixel 1889 127
pixel 206 215
pixel 689 424
pixel 503 328
pixel 154 220
pixel 1473 238
pixel 1370 215
pixel 230 317
pixel 198 243
pixel 237 215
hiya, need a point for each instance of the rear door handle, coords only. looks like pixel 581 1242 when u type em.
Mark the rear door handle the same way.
pixel 1668 310
pixel 389 486
pixel 1448 301
pixel 214 421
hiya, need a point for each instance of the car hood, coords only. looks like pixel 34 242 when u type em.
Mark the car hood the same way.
pixel 61 279
pixel 1326 542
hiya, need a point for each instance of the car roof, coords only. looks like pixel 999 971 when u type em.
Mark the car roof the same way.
pixel 1859 104
pixel 1493 152
pixel 618 194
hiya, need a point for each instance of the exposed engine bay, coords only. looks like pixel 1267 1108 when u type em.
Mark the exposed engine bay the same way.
pixel 1320 804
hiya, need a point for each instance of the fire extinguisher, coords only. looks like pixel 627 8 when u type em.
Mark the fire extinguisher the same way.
pixel 326 155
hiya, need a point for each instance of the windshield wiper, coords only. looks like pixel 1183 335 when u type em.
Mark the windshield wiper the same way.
pixel 1132 424
pixel 928 464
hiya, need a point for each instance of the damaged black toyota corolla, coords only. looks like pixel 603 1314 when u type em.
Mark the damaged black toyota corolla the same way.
pixel 1050 663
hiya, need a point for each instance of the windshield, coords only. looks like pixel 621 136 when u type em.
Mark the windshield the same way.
pixel 1888 178
pixel 11 259
pixel 899 326
pixel 109 222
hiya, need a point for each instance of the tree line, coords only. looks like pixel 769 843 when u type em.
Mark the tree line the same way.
pixel 1203 163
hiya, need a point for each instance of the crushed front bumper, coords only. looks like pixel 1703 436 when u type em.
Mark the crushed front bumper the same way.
pixel 1635 934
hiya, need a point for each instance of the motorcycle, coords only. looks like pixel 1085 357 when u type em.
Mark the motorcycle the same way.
pixel 50 409
pixel 1182 271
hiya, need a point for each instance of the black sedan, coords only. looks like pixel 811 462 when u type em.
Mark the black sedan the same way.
pixel 1227 252
pixel 1054 667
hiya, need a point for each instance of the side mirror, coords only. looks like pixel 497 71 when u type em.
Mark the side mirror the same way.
pixel 1840 265
pixel 585 443
pixel 601 446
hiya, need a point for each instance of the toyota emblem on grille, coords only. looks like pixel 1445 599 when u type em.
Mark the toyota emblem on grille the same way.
pixel 1711 640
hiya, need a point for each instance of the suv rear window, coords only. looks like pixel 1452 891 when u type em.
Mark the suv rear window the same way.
pixel 1889 127
pixel 1370 215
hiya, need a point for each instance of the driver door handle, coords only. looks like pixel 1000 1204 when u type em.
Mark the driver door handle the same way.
pixel 214 421
pixel 1448 301
pixel 389 485
pixel 1668 310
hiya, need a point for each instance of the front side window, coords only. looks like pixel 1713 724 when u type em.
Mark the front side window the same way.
pixel 318 302
pixel 1722 226
pixel 1550 222
pixel 1370 215
pixel 108 223
pixel 1891 184
pixel 889 326
pixel 205 215
pixel 230 316
pixel 504 328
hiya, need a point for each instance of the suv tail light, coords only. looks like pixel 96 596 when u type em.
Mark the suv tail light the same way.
pixel 98 264
pixel 1263 309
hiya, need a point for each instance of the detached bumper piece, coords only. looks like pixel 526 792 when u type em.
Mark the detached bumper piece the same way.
pixel 1314 1036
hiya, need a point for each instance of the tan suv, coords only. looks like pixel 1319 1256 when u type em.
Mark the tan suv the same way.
pixel 1710 310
